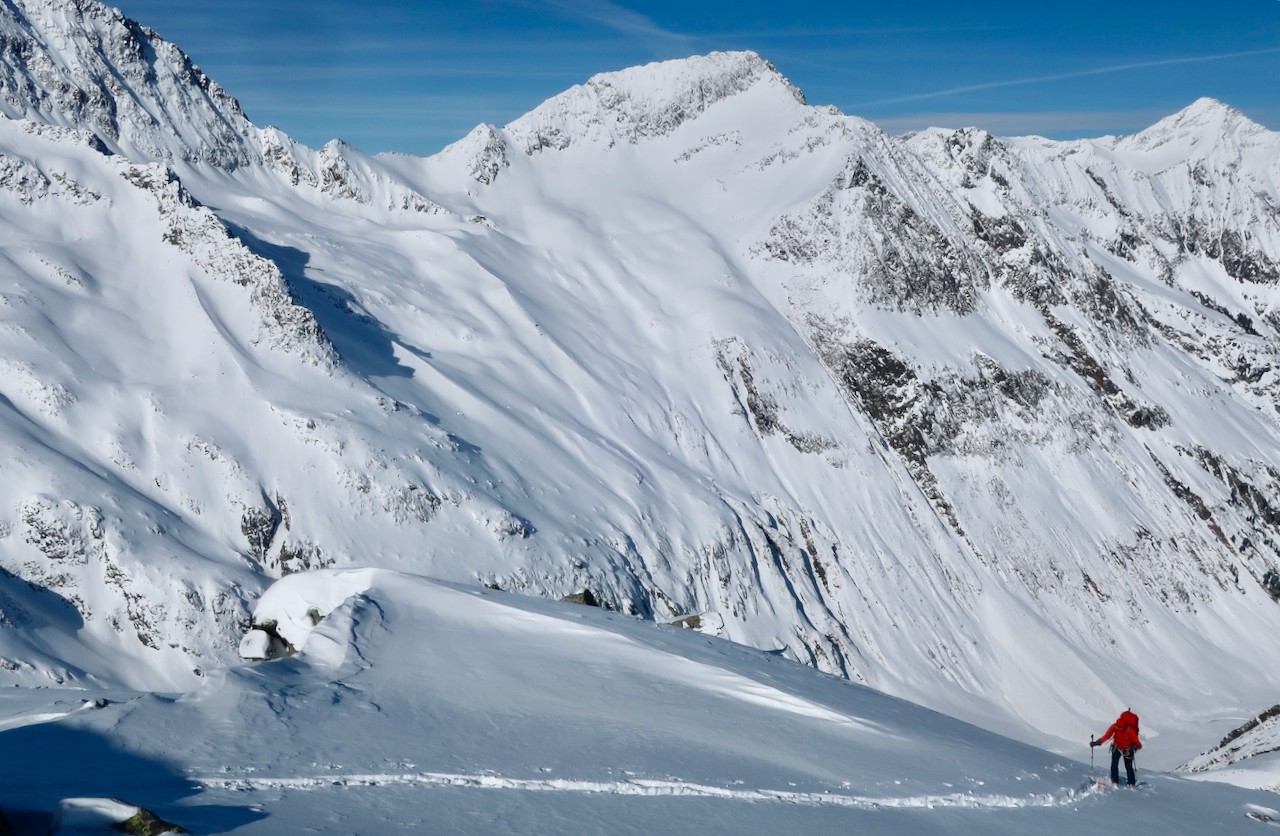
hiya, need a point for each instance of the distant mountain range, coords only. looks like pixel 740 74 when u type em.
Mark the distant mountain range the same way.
pixel 987 423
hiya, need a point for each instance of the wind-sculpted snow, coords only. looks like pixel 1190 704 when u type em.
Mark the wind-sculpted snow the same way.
pixel 987 423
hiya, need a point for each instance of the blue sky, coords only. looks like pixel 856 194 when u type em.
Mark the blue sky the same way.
pixel 399 75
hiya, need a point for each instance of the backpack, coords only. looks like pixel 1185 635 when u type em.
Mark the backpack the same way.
pixel 1127 730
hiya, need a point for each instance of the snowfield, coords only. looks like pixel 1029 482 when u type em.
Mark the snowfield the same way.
pixel 421 706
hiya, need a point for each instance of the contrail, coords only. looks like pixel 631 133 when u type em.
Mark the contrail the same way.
pixel 1114 68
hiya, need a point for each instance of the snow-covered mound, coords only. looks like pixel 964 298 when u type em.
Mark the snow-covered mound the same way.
pixel 989 424
pixel 415 705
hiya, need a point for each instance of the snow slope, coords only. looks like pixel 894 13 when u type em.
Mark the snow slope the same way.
pixel 988 424
pixel 420 706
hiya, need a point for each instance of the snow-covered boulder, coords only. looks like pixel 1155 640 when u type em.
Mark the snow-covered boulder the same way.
pixel 83 816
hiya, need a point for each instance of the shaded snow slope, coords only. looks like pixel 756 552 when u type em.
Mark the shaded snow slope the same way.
pixel 986 423
pixel 417 705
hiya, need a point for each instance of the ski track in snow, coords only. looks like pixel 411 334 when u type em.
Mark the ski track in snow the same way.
pixel 654 788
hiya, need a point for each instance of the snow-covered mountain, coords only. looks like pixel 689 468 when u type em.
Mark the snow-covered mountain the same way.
pixel 989 424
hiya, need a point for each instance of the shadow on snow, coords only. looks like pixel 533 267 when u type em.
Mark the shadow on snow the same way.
pixel 366 347
pixel 40 765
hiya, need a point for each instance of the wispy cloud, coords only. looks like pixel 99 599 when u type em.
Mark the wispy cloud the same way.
pixel 613 16
pixel 821 33
pixel 1113 68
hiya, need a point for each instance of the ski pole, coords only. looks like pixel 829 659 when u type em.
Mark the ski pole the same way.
pixel 1091 748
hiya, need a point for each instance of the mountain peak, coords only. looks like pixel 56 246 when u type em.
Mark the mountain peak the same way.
pixel 647 101
pixel 1205 123
pixel 1213 114
pixel 81 64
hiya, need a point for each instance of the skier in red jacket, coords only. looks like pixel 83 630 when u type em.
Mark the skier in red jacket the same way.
pixel 1123 735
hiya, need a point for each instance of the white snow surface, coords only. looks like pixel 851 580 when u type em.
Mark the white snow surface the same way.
pixel 986 424
pixel 422 706
pixel 90 815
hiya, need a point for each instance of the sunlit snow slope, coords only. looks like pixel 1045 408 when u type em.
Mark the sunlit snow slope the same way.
pixel 987 424
pixel 418 706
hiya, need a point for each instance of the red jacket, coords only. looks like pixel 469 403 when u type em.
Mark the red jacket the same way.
pixel 1125 730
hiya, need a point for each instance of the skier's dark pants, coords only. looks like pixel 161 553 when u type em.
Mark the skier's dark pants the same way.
pixel 1128 766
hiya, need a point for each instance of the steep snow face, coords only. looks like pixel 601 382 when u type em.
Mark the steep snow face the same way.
pixel 132 319
pixel 986 423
